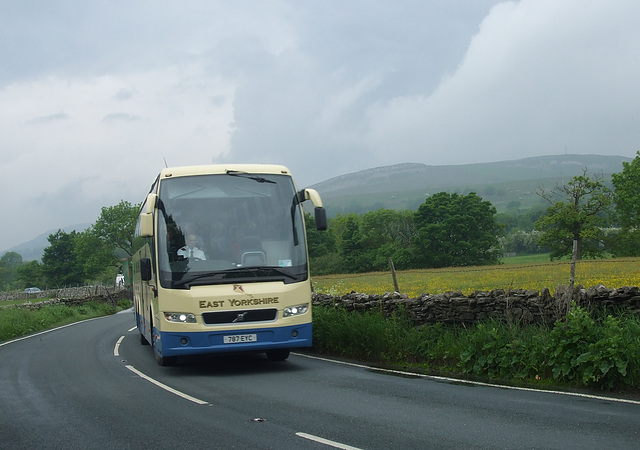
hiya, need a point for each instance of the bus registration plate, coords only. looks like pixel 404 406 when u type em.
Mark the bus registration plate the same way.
pixel 238 338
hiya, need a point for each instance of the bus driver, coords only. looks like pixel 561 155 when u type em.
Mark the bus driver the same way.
pixel 190 250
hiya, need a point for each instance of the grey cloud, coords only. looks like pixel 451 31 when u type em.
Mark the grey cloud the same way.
pixel 48 119
pixel 73 209
pixel 218 100
pixel 124 94
pixel 310 103
pixel 120 117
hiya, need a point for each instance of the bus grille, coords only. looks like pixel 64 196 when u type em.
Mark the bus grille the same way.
pixel 249 315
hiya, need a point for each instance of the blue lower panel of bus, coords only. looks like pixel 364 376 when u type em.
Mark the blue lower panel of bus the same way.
pixel 175 344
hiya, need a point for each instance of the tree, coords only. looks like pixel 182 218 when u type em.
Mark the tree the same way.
pixel 10 263
pixel 320 243
pixel 521 242
pixel 30 274
pixel 456 230
pixel 94 254
pixel 385 234
pixel 59 261
pixel 573 224
pixel 116 225
pixel 626 197
pixel 102 246
pixel 351 248
pixel 323 256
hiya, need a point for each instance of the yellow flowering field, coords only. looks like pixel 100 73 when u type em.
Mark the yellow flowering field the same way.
pixel 613 273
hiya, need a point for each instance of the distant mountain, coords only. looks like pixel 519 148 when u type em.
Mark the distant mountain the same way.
pixel 506 184
pixel 33 249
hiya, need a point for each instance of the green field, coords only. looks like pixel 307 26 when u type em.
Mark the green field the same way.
pixel 528 272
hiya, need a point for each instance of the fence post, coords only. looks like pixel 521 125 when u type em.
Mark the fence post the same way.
pixel 393 274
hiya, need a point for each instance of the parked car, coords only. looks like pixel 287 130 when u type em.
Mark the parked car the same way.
pixel 32 290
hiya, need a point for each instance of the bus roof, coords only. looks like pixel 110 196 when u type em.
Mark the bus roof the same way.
pixel 223 168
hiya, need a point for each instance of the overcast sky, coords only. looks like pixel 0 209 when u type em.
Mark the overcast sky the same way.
pixel 96 95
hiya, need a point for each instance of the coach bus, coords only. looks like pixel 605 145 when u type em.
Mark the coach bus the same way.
pixel 221 262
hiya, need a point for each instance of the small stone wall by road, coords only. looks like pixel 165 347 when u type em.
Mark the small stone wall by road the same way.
pixel 67 296
pixel 522 306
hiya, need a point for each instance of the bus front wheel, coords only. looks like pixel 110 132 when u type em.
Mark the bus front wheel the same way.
pixel 279 354
pixel 165 361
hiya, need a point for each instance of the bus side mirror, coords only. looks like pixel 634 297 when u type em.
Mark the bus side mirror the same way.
pixel 320 212
pixel 146 216
pixel 145 269
pixel 146 225
pixel 321 218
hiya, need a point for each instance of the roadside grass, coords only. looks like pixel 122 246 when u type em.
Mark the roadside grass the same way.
pixel 580 351
pixel 17 322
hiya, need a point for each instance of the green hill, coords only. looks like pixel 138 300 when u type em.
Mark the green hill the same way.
pixel 506 184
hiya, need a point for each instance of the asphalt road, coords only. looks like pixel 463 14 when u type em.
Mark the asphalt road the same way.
pixel 92 385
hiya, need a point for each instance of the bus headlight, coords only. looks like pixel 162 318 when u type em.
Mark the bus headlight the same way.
pixel 180 317
pixel 296 310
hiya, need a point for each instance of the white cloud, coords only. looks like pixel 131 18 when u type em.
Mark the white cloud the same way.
pixel 539 75
pixel 99 150
pixel 97 95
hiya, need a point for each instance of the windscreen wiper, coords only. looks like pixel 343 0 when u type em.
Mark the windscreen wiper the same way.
pixel 259 271
pixel 237 272
pixel 187 280
pixel 259 179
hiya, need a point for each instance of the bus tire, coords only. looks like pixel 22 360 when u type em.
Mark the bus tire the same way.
pixel 279 354
pixel 165 361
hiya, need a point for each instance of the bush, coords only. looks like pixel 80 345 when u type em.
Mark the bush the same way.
pixel 578 350
pixel 124 303
pixel 503 351
pixel 594 353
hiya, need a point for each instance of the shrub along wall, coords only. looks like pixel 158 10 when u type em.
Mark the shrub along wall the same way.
pixel 523 306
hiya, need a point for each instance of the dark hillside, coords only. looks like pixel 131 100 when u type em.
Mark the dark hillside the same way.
pixel 505 183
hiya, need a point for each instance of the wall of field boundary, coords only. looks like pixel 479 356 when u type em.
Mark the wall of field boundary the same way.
pixel 518 305
pixel 67 296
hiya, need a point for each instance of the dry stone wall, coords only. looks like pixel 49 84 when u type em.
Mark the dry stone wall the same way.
pixel 68 296
pixel 522 306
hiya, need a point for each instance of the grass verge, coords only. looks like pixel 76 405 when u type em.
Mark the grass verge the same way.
pixel 580 351
pixel 16 322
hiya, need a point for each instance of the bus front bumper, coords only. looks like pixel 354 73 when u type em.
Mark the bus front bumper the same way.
pixel 245 340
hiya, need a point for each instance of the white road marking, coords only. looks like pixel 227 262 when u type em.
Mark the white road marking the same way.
pixel 474 383
pixel 116 349
pixel 166 388
pixel 47 331
pixel 334 444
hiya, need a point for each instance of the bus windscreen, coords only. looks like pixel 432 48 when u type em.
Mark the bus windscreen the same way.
pixel 217 228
